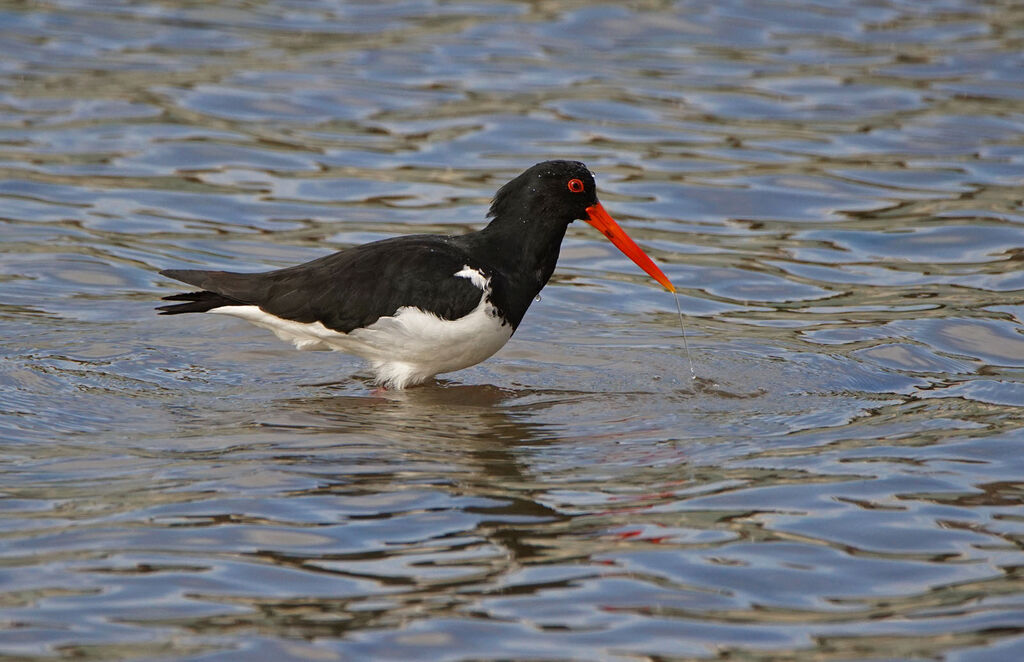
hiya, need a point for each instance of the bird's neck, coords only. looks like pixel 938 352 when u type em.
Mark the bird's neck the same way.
pixel 524 249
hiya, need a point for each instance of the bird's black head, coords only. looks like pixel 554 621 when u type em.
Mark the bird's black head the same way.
pixel 532 212
pixel 553 192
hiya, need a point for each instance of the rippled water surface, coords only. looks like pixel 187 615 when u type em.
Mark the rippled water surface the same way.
pixel 835 188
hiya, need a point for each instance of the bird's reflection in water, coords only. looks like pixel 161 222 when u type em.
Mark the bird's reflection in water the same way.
pixel 481 435
pixel 463 450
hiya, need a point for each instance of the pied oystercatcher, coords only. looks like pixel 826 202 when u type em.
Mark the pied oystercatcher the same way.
pixel 420 305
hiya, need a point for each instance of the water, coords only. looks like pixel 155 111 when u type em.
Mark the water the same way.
pixel 835 189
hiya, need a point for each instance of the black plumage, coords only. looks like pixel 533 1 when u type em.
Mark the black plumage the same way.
pixel 347 290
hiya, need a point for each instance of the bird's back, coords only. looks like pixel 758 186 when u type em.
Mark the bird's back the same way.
pixel 346 290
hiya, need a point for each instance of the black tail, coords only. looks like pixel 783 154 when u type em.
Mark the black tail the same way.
pixel 198 302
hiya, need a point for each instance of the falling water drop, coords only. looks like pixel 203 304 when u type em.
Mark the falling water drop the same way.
pixel 682 330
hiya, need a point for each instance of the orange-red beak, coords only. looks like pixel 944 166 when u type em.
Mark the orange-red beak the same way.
pixel 603 221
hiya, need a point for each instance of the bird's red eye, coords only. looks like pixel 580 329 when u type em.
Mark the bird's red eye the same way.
pixel 576 185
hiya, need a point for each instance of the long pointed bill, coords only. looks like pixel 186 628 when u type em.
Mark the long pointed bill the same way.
pixel 603 221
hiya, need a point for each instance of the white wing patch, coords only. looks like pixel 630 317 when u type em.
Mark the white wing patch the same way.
pixel 475 277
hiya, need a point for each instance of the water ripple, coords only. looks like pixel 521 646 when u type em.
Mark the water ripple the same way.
pixel 834 189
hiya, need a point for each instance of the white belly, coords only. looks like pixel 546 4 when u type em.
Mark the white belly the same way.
pixel 404 349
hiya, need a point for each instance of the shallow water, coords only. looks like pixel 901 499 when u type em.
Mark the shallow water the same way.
pixel 836 191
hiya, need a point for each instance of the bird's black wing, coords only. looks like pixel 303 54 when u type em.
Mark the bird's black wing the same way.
pixel 345 290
